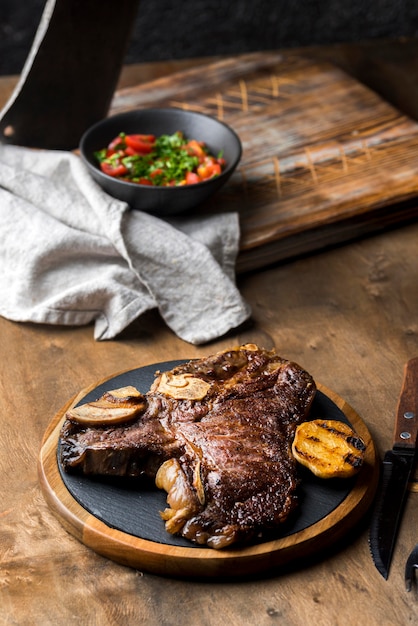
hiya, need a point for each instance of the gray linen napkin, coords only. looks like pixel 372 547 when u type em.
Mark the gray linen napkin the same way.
pixel 71 254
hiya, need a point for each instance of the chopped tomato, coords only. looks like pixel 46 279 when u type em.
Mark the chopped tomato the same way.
pixel 192 178
pixel 116 144
pixel 142 144
pixel 129 151
pixel 208 169
pixel 195 148
pixel 117 169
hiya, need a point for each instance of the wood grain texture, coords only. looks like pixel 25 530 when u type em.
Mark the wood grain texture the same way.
pixel 171 560
pixel 347 314
pixel 325 159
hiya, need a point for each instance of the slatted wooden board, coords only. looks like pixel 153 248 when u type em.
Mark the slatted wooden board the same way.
pixel 124 525
pixel 325 159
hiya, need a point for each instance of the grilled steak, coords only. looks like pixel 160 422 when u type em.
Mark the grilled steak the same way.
pixel 215 433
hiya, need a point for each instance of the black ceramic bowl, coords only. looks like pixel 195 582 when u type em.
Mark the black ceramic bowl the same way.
pixel 217 136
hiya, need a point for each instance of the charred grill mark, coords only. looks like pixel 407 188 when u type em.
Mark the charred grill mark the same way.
pixel 332 429
pixel 353 460
pixel 357 443
pixel 354 441
pixel 303 453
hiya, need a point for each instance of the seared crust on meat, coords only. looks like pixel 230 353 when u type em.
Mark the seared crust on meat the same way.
pixel 216 434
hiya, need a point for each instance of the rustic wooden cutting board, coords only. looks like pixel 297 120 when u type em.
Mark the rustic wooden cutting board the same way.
pixel 325 159
pixel 122 522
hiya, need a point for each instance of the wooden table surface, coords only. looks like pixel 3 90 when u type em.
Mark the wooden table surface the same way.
pixel 349 315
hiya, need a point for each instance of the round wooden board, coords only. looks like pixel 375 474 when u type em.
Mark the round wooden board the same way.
pixel 182 561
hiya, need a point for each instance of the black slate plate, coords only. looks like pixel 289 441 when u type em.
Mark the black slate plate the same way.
pixel 133 507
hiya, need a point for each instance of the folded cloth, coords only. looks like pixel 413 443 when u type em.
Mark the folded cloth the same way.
pixel 71 254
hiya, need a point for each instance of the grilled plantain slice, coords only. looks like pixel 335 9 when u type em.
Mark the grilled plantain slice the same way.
pixel 328 448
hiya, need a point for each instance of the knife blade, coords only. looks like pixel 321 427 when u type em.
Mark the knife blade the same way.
pixel 69 77
pixel 396 469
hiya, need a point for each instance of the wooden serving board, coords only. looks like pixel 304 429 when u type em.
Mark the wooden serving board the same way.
pixel 122 522
pixel 325 159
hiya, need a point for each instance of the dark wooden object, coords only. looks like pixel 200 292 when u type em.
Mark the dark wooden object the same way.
pixel 325 158
pixel 71 73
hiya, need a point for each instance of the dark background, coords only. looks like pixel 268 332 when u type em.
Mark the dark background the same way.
pixel 167 29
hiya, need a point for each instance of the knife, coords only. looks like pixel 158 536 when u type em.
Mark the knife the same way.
pixel 69 77
pixel 396 470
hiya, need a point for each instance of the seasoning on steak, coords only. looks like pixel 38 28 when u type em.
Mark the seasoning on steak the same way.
pixel 215 433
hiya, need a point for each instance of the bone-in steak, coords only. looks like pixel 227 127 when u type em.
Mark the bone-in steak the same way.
pixel 215 433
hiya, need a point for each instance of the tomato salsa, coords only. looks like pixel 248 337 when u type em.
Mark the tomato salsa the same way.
pixel 167 160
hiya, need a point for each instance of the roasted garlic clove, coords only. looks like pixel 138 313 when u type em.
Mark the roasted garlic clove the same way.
pixel 180 497
pixel 114 407
pixel 182 386
pixel 124 394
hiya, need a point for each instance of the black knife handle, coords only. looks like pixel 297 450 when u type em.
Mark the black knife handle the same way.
pixel 406 425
